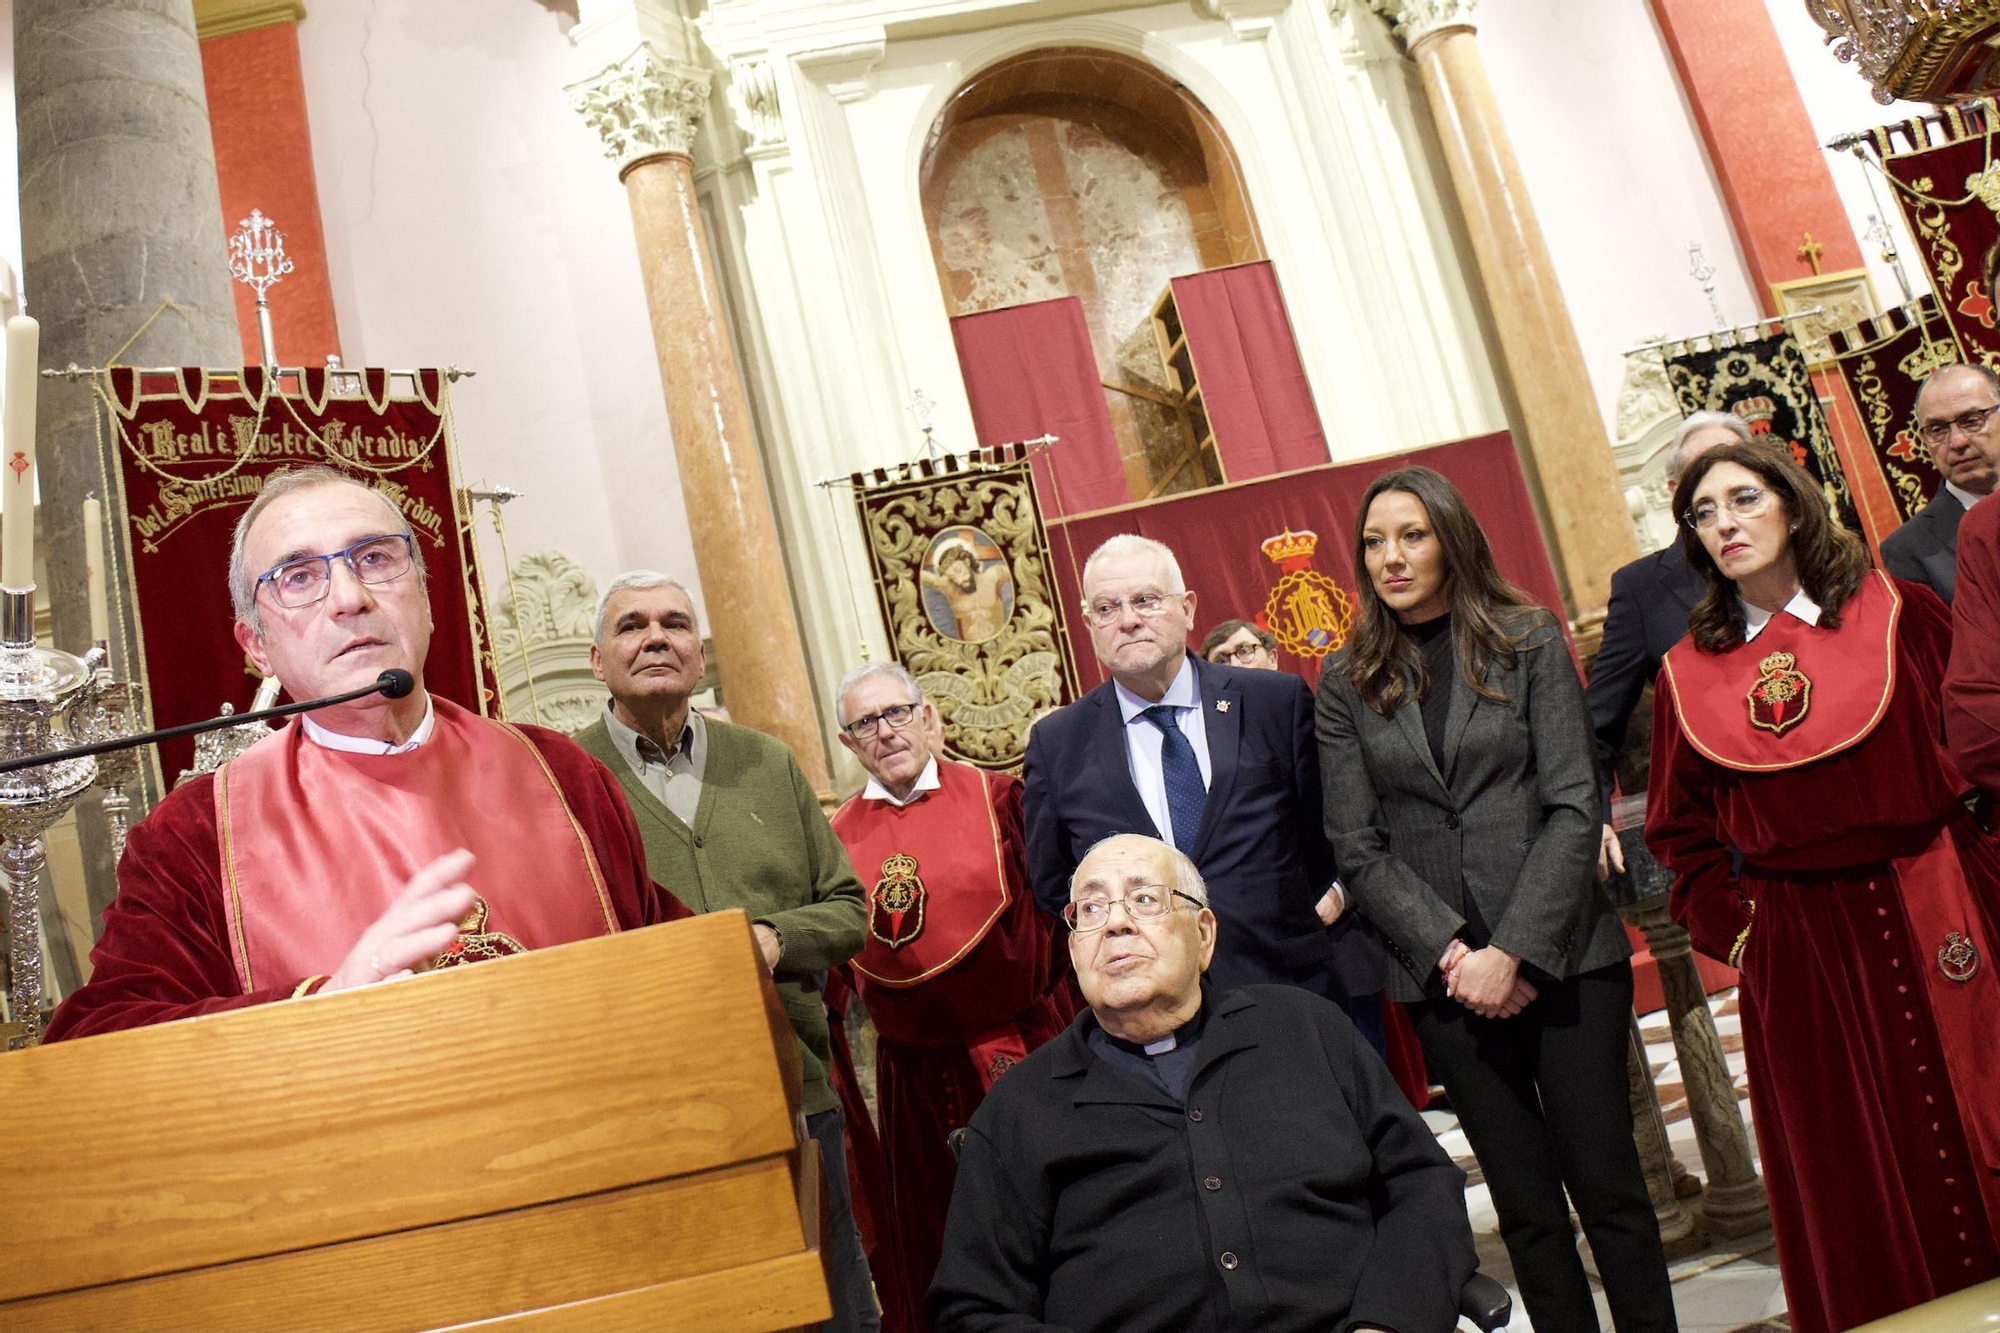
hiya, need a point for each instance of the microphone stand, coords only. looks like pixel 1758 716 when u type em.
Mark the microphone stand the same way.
pixel 393 683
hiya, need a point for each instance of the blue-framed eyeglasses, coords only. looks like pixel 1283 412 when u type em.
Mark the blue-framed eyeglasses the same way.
pixel 309 578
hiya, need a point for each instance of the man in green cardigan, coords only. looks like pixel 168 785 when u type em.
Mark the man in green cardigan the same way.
pixel 730 821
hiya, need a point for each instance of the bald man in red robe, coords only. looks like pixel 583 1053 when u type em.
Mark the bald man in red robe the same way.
pixel 1972 681
pixel 368 840
pixel 958 971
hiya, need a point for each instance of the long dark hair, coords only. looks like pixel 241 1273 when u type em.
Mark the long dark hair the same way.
pixel 1383 662
pixel 1831 560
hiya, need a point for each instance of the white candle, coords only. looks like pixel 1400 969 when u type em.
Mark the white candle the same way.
pixel 94 554
pixel 17 468
pixel 267 694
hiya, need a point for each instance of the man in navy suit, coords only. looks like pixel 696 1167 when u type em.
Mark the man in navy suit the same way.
pixel 1648 614
pixel 1220 761
pixel 1958 416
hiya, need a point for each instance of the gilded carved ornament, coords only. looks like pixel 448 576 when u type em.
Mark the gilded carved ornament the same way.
pixel 643 106
pixel 1417 19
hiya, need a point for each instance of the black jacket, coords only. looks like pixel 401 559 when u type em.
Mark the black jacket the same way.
pixel 1260 850
pixel 1295 1190
pixel 1925 549
pixel 1650 602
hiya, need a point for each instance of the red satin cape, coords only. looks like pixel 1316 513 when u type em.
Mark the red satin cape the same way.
pixel 316 842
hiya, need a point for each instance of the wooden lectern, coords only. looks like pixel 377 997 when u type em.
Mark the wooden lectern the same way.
pixel 603 1136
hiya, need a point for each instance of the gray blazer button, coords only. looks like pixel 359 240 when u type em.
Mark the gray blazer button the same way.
pixel 1228 1261
pixel 1212 1183
pixel 1451 821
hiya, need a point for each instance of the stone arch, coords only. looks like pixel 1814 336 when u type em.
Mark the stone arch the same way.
pixel 1079 171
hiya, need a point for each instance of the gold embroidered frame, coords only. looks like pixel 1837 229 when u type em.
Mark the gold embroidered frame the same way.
pixel 961 567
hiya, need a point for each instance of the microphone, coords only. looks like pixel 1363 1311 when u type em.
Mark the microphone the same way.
pixel 394 683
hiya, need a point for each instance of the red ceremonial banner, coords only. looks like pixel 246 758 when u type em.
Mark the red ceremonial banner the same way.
pixel 1945 180
pixel 193 449
pixel 1279 550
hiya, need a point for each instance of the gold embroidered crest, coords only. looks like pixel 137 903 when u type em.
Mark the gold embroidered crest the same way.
pixel 896 904
pixel 476 944
pixel 1779 699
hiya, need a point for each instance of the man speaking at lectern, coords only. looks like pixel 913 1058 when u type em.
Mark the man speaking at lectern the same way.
pixel 367 840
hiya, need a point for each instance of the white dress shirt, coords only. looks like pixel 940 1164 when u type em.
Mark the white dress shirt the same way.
pixel 334 740
pixel 1963 496
pixel 926 781
pixel 673 779
pixel 1801 607
pixel 1143 741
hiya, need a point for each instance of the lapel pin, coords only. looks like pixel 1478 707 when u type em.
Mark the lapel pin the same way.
pixel 1222 705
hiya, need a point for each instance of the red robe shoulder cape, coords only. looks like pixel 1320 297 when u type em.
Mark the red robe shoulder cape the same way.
pixel 956 996
pixel 165 950
pixel 1868 1044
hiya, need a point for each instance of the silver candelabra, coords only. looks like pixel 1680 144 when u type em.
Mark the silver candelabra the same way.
pixel 49 700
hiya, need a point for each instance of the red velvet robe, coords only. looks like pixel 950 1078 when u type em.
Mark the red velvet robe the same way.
pixel 1880 1193
pixel 164 953
pixel 1972 682
pixel 926 1080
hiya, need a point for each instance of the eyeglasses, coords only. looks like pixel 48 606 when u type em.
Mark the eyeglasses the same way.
pixel 1743 502
pixel 1143 903
pixel 1937 432
pixel 1246 653
pixel 308 579
pixel 1109 610
pixel 896 715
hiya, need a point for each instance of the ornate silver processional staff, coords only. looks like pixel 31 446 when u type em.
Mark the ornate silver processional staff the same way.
pixel 258 260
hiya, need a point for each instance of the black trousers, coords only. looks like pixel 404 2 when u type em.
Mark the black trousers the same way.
pixel 1542 1097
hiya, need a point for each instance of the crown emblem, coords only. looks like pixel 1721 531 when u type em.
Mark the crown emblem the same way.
pixel 1757 413
pixel 1289 545
pixel 896 907
pixel 1779 699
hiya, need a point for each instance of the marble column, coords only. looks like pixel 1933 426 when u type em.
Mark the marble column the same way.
pixel 1564 450
pixel 119 216
pixel 1680 1234
pixel 1733 1202
pixel 646 106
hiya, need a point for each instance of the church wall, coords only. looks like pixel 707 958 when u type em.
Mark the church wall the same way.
pixel 471 218
pixel 1620 177
pixel 1617 171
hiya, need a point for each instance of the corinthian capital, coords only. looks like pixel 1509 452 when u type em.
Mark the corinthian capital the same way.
pixel 643 106
pixel 1418 19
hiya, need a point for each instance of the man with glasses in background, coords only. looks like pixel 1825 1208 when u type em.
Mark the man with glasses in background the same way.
pixel 1958 418
pixel 1240 643
pixel 729 820
pixel 959 971
pixel 368 840
pixel 1191 1156
pixel 1219 763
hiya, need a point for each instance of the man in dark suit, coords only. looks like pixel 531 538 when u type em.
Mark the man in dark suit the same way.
pixel 1220 761
pixel 1648 614
pixel 1958 417
pixel 1195 1157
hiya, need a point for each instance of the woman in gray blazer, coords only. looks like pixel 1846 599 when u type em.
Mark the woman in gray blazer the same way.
pixel 1456 757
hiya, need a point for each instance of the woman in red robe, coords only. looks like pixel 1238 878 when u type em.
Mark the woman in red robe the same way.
pixel 1798 726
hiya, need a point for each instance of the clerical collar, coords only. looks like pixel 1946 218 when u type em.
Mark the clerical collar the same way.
pixel 334 740
pixel 1756 617
pixel 1187 1034
pixel 1185 692
pixel 926 781
pixel 1963 496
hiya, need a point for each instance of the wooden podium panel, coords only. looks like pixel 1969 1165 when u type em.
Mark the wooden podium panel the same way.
pixel 600 1135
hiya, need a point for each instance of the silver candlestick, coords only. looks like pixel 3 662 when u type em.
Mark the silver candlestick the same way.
pixel 116 709
pixel 45 697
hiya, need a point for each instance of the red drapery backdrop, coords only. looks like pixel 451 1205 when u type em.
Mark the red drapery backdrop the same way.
pixel 194 448
pixel 1030 371
pixel 1247 364
pixel 1222 538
